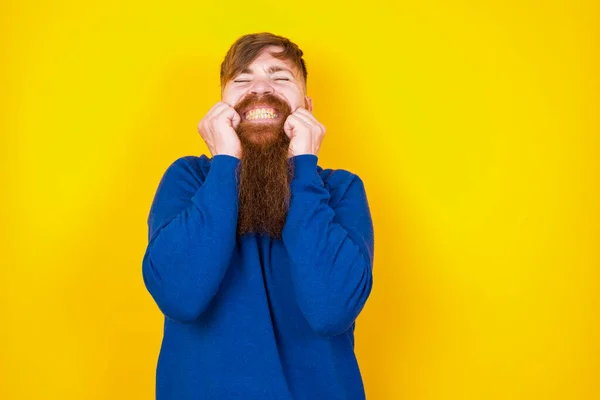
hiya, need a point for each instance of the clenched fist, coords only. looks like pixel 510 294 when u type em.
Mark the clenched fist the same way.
pixel 217 129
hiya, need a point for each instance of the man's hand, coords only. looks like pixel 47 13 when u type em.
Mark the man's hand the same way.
pixel 217 128
pixel 304 131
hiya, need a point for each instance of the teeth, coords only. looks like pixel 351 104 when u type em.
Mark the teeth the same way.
pixel 261 113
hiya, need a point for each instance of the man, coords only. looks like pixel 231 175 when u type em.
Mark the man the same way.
pixel 259 259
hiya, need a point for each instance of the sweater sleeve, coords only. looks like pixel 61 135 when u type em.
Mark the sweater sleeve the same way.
pixel 191 237
pixel 331 249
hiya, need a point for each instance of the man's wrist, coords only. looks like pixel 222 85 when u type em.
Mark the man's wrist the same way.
pixel 228 153
pixel 305 166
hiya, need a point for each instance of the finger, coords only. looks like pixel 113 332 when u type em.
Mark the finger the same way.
pixel 230 113
pixel 214 110
pixel 304 109
pixel 313 125
pixel 288 126
pixel 292 123
pixel 305 119
pixel 300 120
pixel 304 112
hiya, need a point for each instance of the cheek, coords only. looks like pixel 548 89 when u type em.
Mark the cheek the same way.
pixel 231 97
pixel 295 100
pixel 300 99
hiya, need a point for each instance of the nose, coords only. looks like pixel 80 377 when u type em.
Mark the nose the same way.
pixel 261 86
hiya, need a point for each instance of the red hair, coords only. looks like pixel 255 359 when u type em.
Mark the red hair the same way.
pixel 245 50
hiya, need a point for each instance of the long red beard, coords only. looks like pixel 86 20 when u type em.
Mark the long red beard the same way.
pixel 265 171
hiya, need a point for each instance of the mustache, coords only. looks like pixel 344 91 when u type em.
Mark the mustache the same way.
pixel 266 100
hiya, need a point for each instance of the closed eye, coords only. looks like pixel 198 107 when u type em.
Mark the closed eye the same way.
pixel 277 79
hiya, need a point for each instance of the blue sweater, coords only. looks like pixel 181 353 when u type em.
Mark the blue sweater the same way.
pixel 252 317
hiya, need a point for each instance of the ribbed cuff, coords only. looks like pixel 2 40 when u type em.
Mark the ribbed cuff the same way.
pixel 220 157
pixel 305 167
pixel 222 171
pixel 223 164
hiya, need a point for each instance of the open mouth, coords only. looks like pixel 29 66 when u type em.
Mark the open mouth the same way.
pixel 261 114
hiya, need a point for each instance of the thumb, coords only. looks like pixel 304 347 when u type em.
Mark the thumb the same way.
pixel 235 118
pixel 288 127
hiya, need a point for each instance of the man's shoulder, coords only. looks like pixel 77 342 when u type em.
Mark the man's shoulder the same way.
pixel 336 176
pixel 202 161
pixel 337 180
pixel 188 167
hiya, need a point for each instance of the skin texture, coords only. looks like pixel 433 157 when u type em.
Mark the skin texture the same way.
pixel 265 145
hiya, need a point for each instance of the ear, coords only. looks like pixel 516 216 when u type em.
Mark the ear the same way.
pixel 308 102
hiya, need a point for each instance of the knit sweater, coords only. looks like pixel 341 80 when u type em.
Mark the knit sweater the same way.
pixel 252 317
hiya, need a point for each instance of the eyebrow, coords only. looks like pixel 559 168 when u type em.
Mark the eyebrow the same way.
pixel 271 70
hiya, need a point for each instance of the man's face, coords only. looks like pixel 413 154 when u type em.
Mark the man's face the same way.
pixel 264 95
pixel 266 75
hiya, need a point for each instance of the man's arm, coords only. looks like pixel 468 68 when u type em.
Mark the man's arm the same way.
pixel 331 249
pixel 191 237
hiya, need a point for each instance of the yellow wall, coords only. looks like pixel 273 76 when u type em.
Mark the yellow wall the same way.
pixel 475 128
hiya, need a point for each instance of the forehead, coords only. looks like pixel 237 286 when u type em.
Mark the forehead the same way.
pixel 265 60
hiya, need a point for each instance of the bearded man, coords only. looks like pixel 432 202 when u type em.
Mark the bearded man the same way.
pixel 259 259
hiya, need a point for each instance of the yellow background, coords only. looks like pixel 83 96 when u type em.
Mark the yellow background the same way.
pixel 474 126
